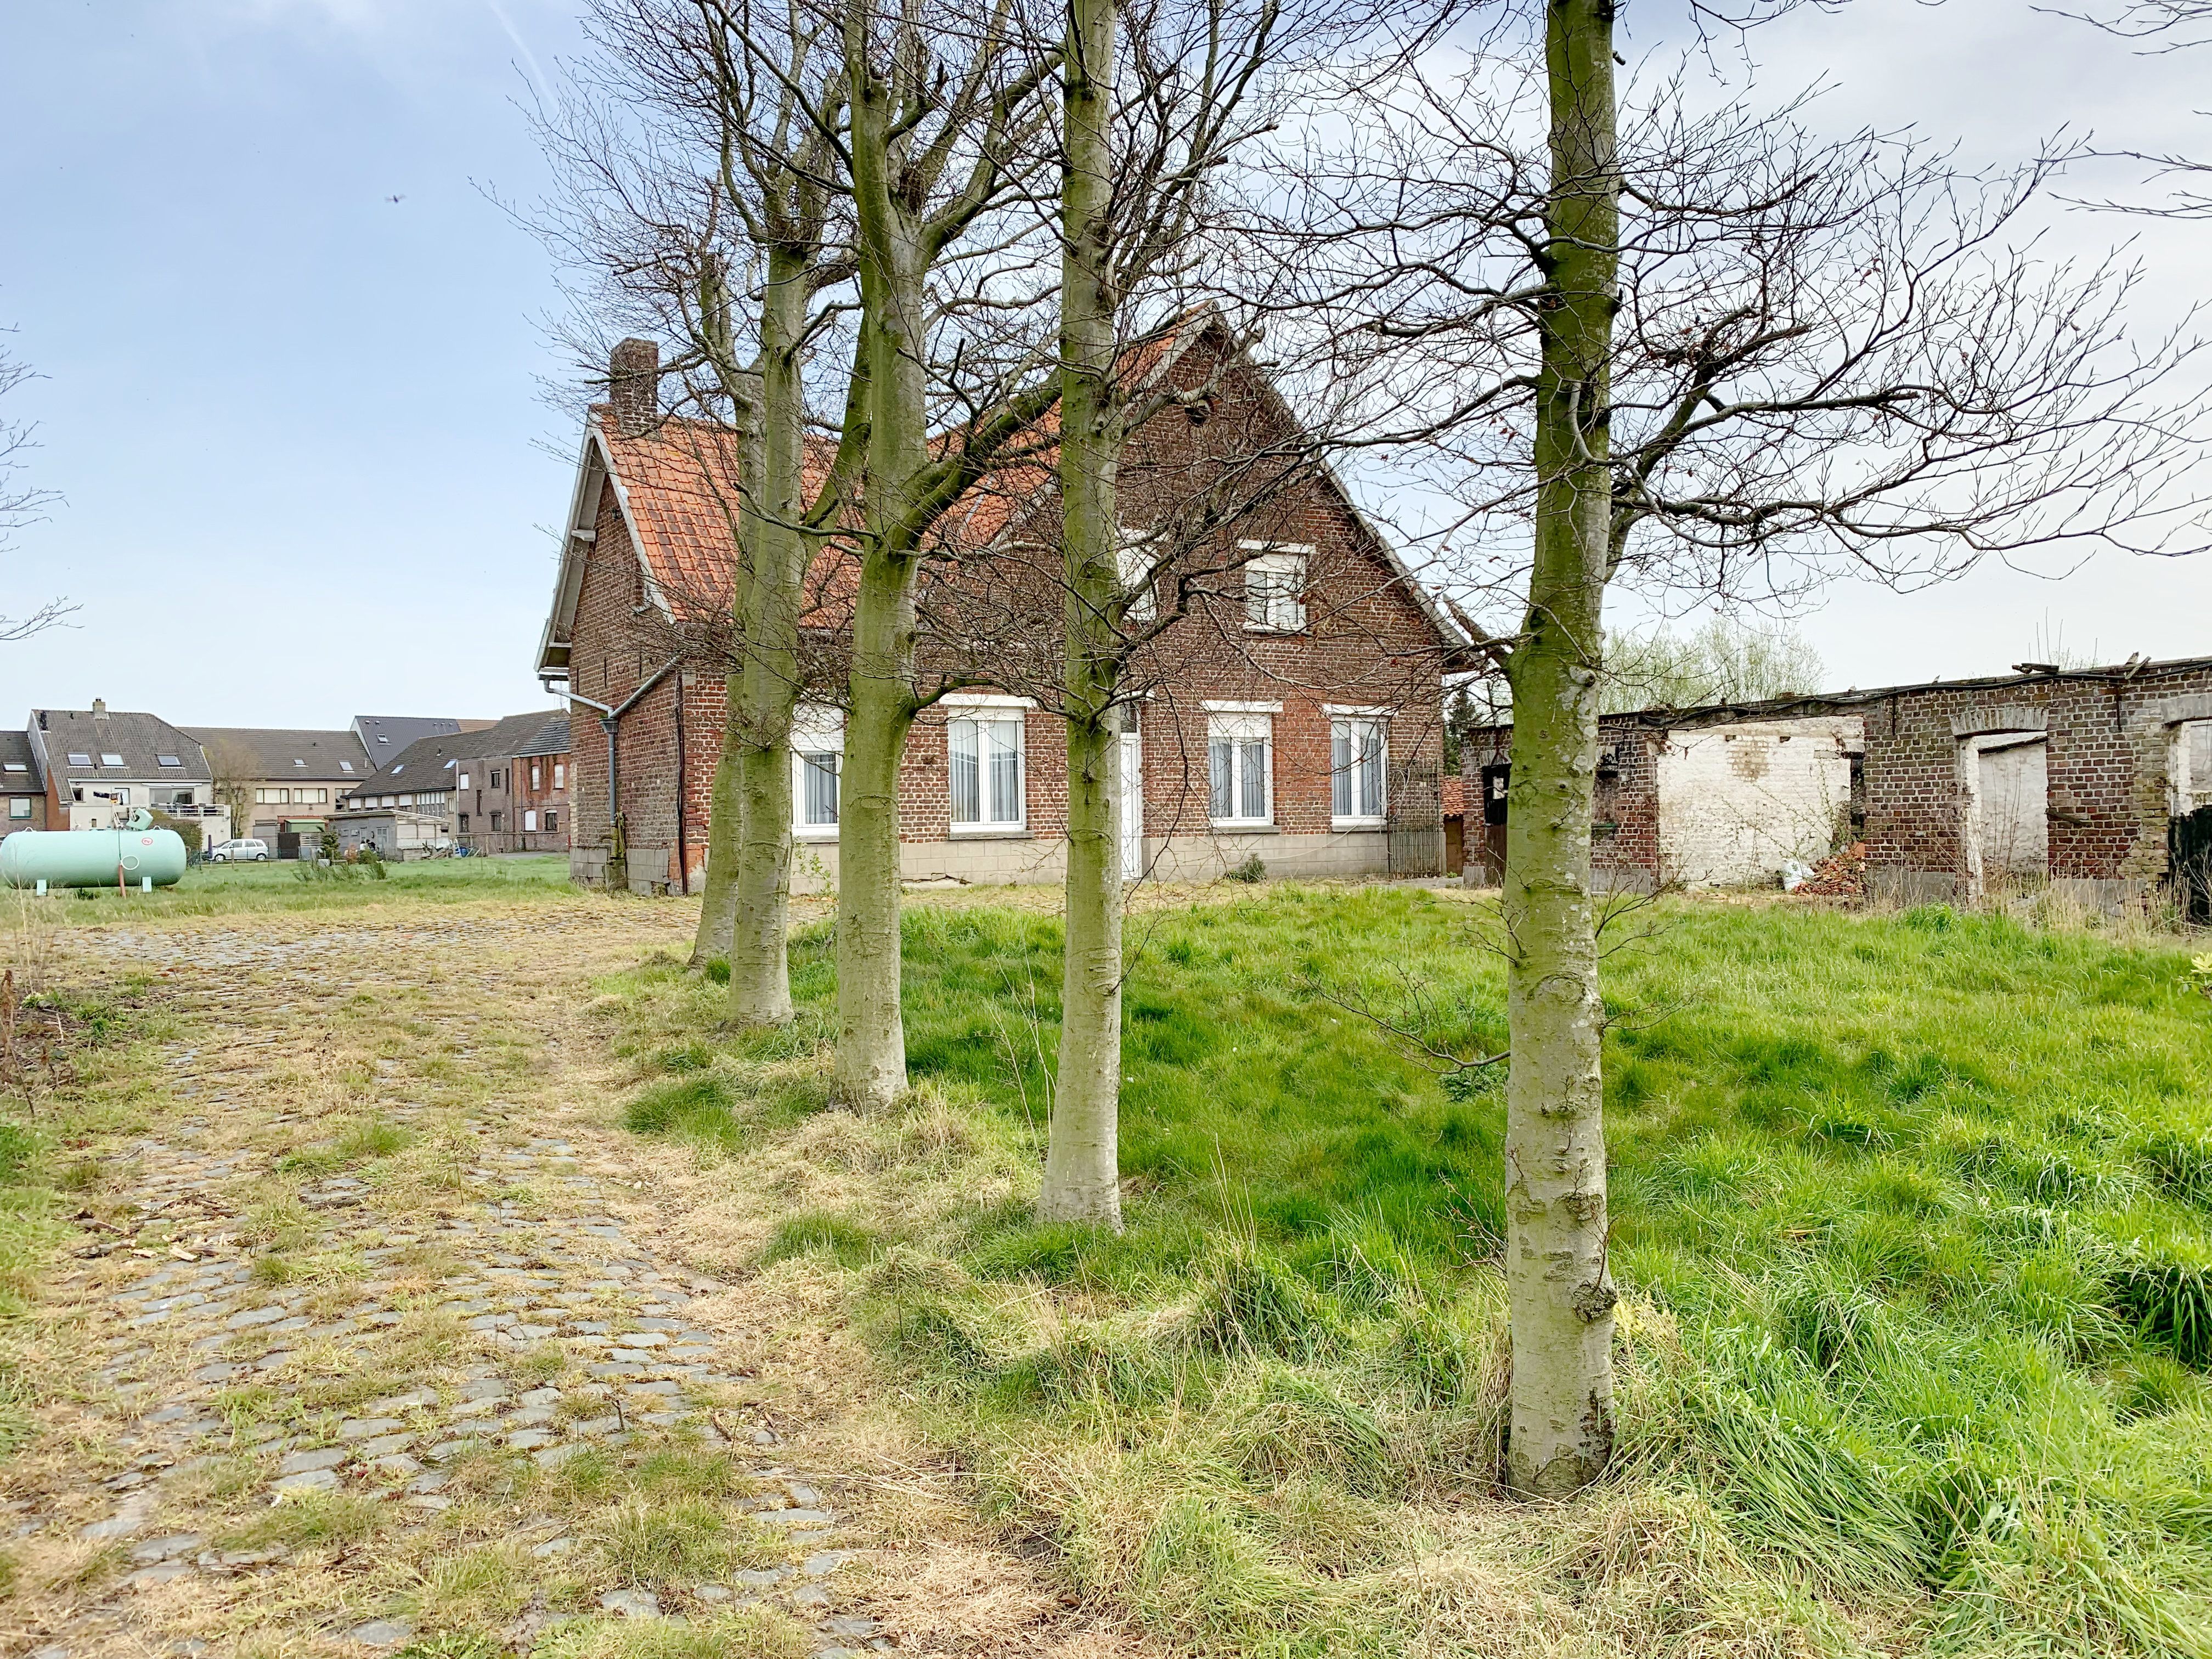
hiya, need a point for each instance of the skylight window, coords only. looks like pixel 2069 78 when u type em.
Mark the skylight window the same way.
pixel 15 766
pixel 398 769
pixel 298 762
pixel 169 760
pixel 76 759
pixel 381 737
pixel 106 759
pixel 345 766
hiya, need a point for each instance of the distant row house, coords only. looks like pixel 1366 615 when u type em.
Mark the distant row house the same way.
pixel 286 787
pixel 500 787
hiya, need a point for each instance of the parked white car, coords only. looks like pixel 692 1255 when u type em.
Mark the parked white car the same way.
pixel 240 850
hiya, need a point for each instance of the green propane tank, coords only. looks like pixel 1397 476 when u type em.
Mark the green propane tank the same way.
pixel 131 853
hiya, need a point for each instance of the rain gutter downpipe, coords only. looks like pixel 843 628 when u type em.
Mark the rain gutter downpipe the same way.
pixel 608 720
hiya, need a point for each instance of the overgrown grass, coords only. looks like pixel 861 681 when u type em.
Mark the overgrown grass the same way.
pixel 1911 1212
pixel 211 889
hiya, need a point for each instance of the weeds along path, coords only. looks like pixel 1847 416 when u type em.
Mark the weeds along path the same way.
pixel 378 1346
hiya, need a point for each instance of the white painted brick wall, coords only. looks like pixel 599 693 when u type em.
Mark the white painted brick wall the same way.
pixel 1736 801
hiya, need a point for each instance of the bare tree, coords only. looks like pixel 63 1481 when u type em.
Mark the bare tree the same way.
pixel 944 117
pixel 1704 353
pixel 1157 97
pixel 702 198
pixel 21 504
pixel 2165 26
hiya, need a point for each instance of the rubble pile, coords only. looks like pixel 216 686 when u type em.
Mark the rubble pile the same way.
pixel 1840 875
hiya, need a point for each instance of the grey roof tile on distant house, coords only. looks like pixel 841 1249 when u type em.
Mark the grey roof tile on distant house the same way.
pixel 424 764
pixel 387 736
pixel 101 746
pixel 277 752
pixel 19 765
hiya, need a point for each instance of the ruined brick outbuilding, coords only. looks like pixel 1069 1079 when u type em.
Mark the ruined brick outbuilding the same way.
pixel 2097 780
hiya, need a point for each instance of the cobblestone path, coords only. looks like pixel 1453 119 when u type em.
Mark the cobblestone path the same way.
pixel 378 1346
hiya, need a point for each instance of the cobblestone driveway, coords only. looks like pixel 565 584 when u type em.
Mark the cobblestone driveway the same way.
pixel 377 1337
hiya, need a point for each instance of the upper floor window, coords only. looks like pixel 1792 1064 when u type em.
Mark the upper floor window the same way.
pixel 985 751
pixel 1275 588
pixel 560 775
pixel 817 743
pixel 79 759
pixel 1240 768
pixel 106 759
pixel 1359 763
pixel 534 782
pixel 19 806
pixel 1134 553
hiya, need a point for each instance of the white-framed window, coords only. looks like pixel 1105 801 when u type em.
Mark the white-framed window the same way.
pixel 534 784
pixel 1134 551
pixel 984 750
pixel 529 820
pixel 19 806
pixel 108 759
pixel 169 760
pixel 1241 767
pixel 463 780
pixel 560 775
pixel 407 800
pixel 1275 587
pixel 1358 767
pixel 817 750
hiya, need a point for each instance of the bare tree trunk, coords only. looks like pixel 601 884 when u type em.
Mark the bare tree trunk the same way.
pixel 1560 1291
pixel 1082 1171
pixel 760 968
pixel 717 904
pixel 871 1069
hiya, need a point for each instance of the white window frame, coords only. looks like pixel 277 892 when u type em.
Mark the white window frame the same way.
pixel 980 712
pixel 813 731
pixel 560 775
pixel 1347 802
pixel 1274 586
pixel 2190 790
pixel 1135 556
pixel 19 806
pixel 1240 728
pixel 463 780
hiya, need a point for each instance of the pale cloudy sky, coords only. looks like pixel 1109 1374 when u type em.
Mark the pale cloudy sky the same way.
pixel 297 425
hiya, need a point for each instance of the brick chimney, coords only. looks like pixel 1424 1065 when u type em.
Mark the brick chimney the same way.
pixel 634 380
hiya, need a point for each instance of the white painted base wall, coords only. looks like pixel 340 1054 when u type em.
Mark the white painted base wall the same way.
pixel 1735 802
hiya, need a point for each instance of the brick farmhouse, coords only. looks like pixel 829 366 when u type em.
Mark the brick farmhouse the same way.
pixel 1293 715
pixel 2097 780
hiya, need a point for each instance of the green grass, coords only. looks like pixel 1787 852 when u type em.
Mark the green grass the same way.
pixel 211 889
pixel 1910 1213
